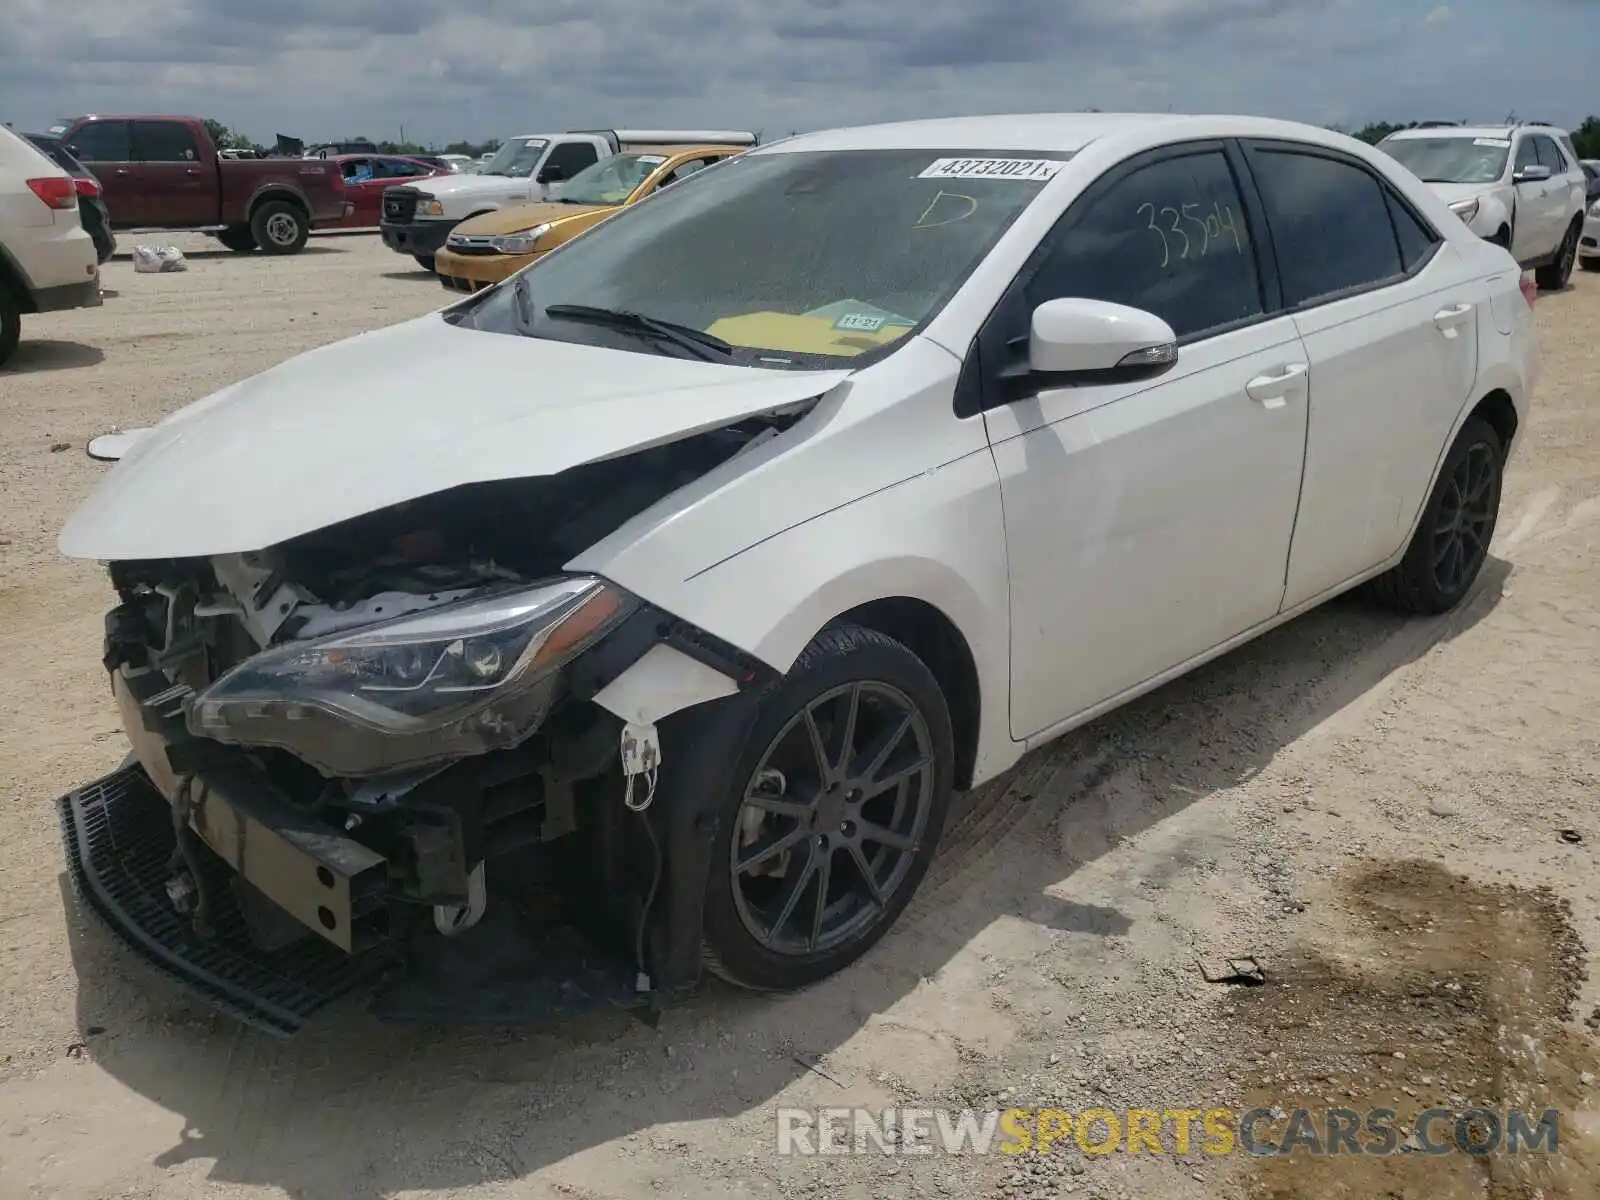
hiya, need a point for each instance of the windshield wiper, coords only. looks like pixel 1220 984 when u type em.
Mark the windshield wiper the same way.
pixel 701 345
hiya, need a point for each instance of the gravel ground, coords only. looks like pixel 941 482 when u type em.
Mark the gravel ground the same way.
pixel 1373 808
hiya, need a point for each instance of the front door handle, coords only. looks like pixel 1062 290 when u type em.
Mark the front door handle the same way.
pixel 1449 318
pixel 1270 389
pixel 121 171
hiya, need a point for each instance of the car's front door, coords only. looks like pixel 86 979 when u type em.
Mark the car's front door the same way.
pixel 106 148
pixel 1534 232
pixel 1390 325
pixel 1147 523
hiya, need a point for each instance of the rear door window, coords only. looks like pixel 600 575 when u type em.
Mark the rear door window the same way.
pixel 1550 155
pixel 164 141
pixel 1330 224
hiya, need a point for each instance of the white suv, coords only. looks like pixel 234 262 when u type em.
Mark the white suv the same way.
pixel 1518 185
pixel 47 260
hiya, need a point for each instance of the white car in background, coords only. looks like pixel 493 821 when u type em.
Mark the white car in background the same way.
pixel 47 260
pixel 1519 185
pixel 1589 243
pixel 686 574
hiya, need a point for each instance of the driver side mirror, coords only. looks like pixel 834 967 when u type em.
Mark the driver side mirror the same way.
pixel 1536 173
pixel 554 173
pixel 1075 342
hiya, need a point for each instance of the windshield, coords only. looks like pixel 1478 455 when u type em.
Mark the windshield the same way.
pixel 609 181
pixel 1451 159
pixel 516 159
pixel 804 259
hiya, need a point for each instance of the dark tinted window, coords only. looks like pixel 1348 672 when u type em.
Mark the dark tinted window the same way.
pixel 572 157
pixel 163 141
pixel 1527 154
pixel 399 168
pixel 1169 238
pixel 104 141
pixel 1330 224
pixel 1550 155
pixel 1416 239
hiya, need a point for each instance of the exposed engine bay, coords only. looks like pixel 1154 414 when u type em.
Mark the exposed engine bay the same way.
pixel 405 702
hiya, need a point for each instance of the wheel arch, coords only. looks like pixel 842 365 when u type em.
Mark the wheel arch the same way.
pixel 935 639
pixel 278 191
pixel 14 283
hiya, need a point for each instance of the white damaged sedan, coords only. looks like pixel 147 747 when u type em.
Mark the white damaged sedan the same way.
pixel 642 613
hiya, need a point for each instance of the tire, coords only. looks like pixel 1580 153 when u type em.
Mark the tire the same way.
pixel 279 227
pixel 843 669
pixel 1502 237
pixel 1557 275
pixel 425 261
pixel 10 325
pixel 1421 584
pixel 1589 264
pixel 239 238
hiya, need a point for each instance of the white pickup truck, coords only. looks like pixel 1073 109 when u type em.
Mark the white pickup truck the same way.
pixel 417 220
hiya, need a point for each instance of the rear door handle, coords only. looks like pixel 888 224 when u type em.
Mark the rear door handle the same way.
pixel 1271 389
pixel 1450 318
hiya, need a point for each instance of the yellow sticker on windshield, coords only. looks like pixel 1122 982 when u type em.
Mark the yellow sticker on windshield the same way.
pixel 805 335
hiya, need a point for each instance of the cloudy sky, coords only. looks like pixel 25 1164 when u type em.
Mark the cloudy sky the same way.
pixel 480 68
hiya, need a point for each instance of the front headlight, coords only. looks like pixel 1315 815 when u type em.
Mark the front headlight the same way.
pixel 1466 209
pixel 427 206
pixel 461 679
pixel 519 243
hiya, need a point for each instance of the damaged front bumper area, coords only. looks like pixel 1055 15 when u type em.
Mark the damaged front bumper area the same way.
pixel 271 888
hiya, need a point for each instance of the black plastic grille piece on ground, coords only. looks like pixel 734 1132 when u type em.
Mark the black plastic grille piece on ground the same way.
pixel 118 837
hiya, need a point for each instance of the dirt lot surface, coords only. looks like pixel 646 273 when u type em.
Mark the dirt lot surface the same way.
pixel 1373 808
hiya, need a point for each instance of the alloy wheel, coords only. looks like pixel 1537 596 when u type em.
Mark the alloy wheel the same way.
pixel 1466 515
pixel 832 819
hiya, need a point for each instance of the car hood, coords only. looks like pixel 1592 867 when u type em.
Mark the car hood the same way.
pixel 1451 192
pixel 471 185
pixel 525 216
pixel 395 415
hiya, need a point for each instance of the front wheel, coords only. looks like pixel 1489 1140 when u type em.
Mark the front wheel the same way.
pixel 1452 540
pixel 280 228
pixel 1558 274
pixel 833 813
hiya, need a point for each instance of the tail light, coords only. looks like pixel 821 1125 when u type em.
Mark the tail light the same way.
pixel 1530 289
pixel 55 190
pixel 86 187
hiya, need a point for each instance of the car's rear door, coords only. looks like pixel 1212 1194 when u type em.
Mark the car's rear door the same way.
pixel 1389 319
pixel 386 173
pixel 175 175
pixel 1147 523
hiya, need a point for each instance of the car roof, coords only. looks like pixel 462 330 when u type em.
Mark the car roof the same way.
pixel 1495 131
pixel 1042 132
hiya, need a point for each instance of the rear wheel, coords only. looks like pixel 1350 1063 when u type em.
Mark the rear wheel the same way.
pixel 279 227
pixel 10 324
pixel 1452 539
pixel 832 815
pixel 425 261
pixel 1558 274
pixel 238 237
pixel 1589 264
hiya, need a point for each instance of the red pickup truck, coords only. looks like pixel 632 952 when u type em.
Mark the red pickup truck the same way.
pixel 165 173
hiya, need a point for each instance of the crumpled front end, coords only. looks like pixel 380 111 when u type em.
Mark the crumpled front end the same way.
pixel 386 754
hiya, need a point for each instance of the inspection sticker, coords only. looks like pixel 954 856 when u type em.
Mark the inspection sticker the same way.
pixel 653 159
pixel 1501 143
pixel 859 322
pixel 1028 170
